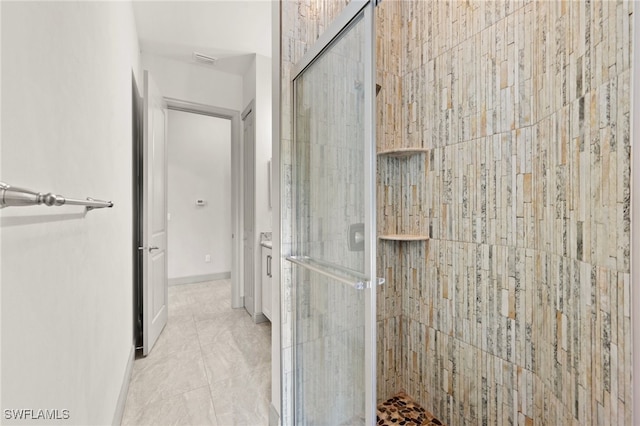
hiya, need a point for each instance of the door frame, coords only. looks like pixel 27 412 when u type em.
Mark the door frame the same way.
pixel 137 184
pixel 249 172
pixel 634 260
pixel 335 29
pixel 236 188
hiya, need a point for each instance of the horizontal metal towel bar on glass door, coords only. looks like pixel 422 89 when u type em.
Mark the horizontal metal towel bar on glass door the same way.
pixel 13 196
pixel 356 280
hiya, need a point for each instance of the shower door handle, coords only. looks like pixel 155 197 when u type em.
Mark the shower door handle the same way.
pixel 356 237
pixel 343 275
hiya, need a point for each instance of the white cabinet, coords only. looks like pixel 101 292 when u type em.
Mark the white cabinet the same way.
pixel 267 265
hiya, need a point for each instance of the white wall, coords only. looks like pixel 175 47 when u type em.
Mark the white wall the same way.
pixel 199 168
pixel 67 278
pixel 219 27
pixel 191 82
pixel 249 84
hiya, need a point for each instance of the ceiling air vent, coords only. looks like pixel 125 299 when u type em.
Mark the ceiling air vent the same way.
pixel 204 59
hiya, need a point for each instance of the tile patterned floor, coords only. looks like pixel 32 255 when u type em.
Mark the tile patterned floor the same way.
pixel 210 366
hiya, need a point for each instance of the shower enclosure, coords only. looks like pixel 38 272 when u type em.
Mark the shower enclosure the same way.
pixel 333 254
pixel 504 136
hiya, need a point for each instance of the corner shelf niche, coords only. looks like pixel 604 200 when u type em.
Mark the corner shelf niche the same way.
pixel 402 152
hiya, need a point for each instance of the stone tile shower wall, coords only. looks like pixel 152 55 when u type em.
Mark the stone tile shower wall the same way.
pixel 389 134
pixel 517 309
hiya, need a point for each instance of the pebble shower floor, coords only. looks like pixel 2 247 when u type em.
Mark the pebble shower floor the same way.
pixel 402 410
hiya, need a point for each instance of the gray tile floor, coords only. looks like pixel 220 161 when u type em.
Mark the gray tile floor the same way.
pixel 210 366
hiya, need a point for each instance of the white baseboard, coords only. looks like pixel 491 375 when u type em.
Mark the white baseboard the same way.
pixel 124 389
pixel 274 417
pixel 240 306
pixel 199 278
pixel 258 318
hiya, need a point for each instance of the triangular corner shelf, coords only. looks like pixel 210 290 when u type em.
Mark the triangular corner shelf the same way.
pixel 403 237
pixel 402 152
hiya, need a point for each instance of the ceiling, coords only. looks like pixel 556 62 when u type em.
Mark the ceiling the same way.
pixel 231 31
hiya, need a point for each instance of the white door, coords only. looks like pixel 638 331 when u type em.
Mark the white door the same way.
pixel 248 176
pixel 154 214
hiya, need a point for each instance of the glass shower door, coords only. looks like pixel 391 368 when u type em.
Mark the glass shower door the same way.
pixel 334 226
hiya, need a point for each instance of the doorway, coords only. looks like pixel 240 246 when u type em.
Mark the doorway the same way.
pixel 199 198
pixel 211 363
pixel 136 190
pixel 236 179
pixel 233 117
pixel 249 207
pixel 236 190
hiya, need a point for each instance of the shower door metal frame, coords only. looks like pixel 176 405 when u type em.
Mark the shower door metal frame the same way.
pixel 341 24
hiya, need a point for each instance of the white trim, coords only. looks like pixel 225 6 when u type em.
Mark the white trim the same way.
pixel 259 318
pixel 276 235
pixel 369 168
pixel 236 179
pixel 255 302
pixel 199 278
pixel 634 260
pixel 249 108
pixel 124 389
pixel 196 108
pixel 274 417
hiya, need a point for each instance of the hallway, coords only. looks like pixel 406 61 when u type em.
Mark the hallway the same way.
pixel 211 364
